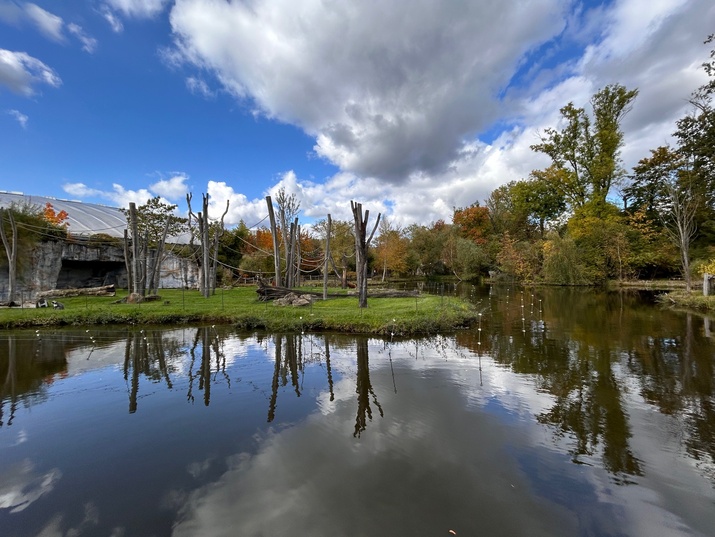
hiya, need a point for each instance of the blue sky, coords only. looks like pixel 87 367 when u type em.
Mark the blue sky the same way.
pixel 410 111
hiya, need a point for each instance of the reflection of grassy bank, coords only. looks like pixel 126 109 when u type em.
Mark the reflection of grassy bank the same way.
pixel 693 300
pixel 240 306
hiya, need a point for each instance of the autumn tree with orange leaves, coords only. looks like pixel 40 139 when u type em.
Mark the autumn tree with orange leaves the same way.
pixel 55 218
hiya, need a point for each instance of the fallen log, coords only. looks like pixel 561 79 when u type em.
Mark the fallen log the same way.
pixel 105 290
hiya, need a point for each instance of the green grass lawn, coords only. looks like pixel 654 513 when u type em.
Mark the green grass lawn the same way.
pixel 241 307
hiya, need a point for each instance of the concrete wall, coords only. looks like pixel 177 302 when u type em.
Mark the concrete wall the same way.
pixel 63 265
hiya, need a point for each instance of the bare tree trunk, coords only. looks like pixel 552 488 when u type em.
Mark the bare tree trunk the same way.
pixel 128 262
pixel 276 251
pixel 156 265
pixel 327 257
pixel 297 254
pixel 11 251
pixel 680 225
pixel 135 248
pixel 361 246
pixel 204 227
pixel 217 240
pixel 144 266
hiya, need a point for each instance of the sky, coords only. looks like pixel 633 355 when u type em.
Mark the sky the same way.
pixel 410 108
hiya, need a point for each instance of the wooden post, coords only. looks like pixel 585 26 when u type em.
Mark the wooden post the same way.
pixel 361 245
pixel 135 248
pixel 128 262
pixel 327 259
pixel 205 247
pixel 276 251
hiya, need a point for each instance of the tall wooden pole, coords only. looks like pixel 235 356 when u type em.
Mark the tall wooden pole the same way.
pixel 135 248
pixel 327 259
pixel 276 251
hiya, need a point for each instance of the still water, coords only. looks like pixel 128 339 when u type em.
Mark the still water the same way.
pixel 563 413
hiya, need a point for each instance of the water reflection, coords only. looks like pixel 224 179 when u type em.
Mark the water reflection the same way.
pixel 587 349
pixel 27 365
pixel 591 353
pixel 492 418
pixel 364 389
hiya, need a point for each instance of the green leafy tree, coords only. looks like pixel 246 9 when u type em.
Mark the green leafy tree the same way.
pixel 540 198
pixel 587 148
pixel 156 223
pixel 505 215
pixel 562 261
pixel 426 244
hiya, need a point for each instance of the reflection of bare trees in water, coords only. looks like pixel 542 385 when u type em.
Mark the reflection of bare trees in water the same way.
pixel 145 354
pixel 210 341
pixel 9 386
pixel 149 353
pixel 288 362
pixel 364 389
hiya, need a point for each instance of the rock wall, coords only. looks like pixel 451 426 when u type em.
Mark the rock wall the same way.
pixel 58 265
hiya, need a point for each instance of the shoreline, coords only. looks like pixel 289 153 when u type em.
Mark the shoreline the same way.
pixel 240 307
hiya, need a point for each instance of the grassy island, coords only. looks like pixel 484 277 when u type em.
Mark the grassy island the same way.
pixel 424 314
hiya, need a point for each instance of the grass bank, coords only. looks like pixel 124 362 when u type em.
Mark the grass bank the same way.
pixel 693 300
pixel 426 314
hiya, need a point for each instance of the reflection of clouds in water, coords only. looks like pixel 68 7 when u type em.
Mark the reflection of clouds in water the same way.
pixel 310 480
pixel 20 486
pixel 54 528
pixel 410 473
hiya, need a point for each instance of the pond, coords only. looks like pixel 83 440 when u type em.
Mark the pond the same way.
pixel 563 413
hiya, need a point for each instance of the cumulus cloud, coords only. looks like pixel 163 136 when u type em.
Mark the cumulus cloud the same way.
pixel 174 188
pixel 434 106
pixel 387 91
pixel 20 72
pixel 119 195
pixel 19 117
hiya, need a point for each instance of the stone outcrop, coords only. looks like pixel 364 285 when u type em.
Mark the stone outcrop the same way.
pixel 65 265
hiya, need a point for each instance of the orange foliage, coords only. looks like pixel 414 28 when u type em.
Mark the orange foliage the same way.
pixel 473 223
pixel 58 219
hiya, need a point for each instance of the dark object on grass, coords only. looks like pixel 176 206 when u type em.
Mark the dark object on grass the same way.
pixel 58 305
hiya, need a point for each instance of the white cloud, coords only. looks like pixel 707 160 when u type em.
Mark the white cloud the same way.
pixel 112 19
pixel 240 207
pixel 49 24
pixel 198 86
pixel 20 117
pixel 20 72
pixel 400 95
pixel 172 189
pixel 119 196
pixel 89 44
pixel 387 91
pixel 140 9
